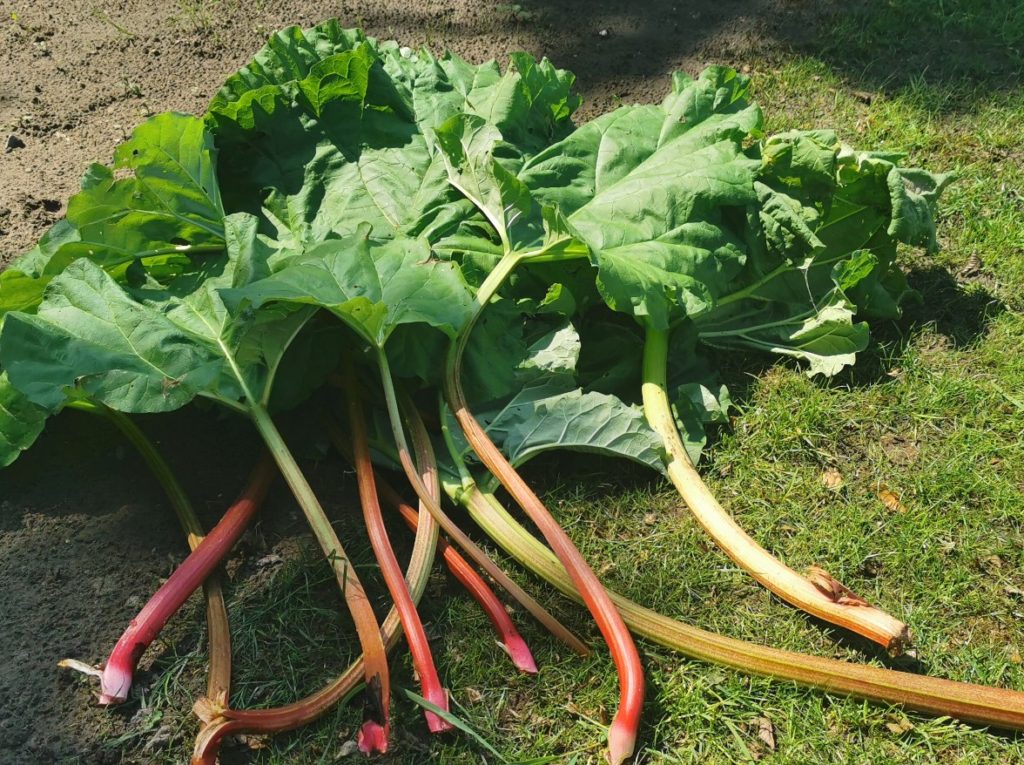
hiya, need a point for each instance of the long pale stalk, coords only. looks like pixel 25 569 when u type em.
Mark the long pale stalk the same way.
pixel 971 703
pixel 818 594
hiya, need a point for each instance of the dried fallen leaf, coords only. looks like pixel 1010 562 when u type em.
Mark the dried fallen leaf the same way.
pixel 972 267
pixel 891 501
pixel 900 450
pixel 348 749
pixel 252 741
pixel 899 725
pixel 766 732
pixel 990 564
pixel 1015 657
pixel 832 479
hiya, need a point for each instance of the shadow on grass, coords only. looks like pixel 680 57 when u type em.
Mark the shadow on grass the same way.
pixel 957 314
pixel 625 51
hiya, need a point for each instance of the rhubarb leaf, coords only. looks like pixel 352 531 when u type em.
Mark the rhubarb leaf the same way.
pixel 538 420
pixel 823 334
pixel 21 422
pixel 644 188
pixel 127 355
pixel 151 354
pixel 372 286
pixel 160 197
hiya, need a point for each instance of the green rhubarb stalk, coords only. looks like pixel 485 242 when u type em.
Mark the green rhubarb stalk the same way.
pixel 977 704
pixel 623 730
pixel 818 594
pixel 376 726
pixel 433 506
pixel 221 721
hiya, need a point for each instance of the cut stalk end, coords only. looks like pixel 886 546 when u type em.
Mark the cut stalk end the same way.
pixel 372 738
pixel 621 741
pixel 435 723
pixel 520 654
pixel 115 679
pixel 115 682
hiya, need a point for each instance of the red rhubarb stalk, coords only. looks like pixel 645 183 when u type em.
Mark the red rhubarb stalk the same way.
pixel 415 635
pixel 221 721
pixel 218 675
pixel 433 506
pixel 117 674
pixel 508 636
pixel 623 730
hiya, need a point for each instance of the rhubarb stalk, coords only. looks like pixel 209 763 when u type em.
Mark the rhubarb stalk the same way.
pixel 433 506
pixel 819 594
pixel 964 701
pixel 623 730
pixel 218 676
pixel 376 727
pixel 416 637
pixel 221 721
pixel 508 636
pixel 117 673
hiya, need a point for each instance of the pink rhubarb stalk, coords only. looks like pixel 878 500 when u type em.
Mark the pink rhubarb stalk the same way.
pixel 116 678
pixel 220 721
pixel 433 506
pixel 415 635
pixel 508 636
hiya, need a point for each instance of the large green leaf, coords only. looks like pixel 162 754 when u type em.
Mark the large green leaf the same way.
pixel 541 419
pixel 372 286
pixel 160 197
pixel 645 188
pixel 21 422
pixel 327 129
pixel 89 331
pixel 151 354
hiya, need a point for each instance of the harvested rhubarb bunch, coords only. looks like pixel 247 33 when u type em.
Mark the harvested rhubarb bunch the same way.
pixel 489 281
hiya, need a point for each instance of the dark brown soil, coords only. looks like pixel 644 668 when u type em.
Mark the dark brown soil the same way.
pixel 85 535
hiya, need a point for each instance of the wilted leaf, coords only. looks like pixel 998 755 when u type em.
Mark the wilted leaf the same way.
pixel 891 500
pixel 832 479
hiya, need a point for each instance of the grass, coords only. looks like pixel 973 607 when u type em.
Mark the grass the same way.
pixel 933 414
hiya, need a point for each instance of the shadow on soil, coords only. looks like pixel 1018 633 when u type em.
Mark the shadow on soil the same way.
pixel 971 46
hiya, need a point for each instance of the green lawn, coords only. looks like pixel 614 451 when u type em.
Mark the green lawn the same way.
pixel 933 414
